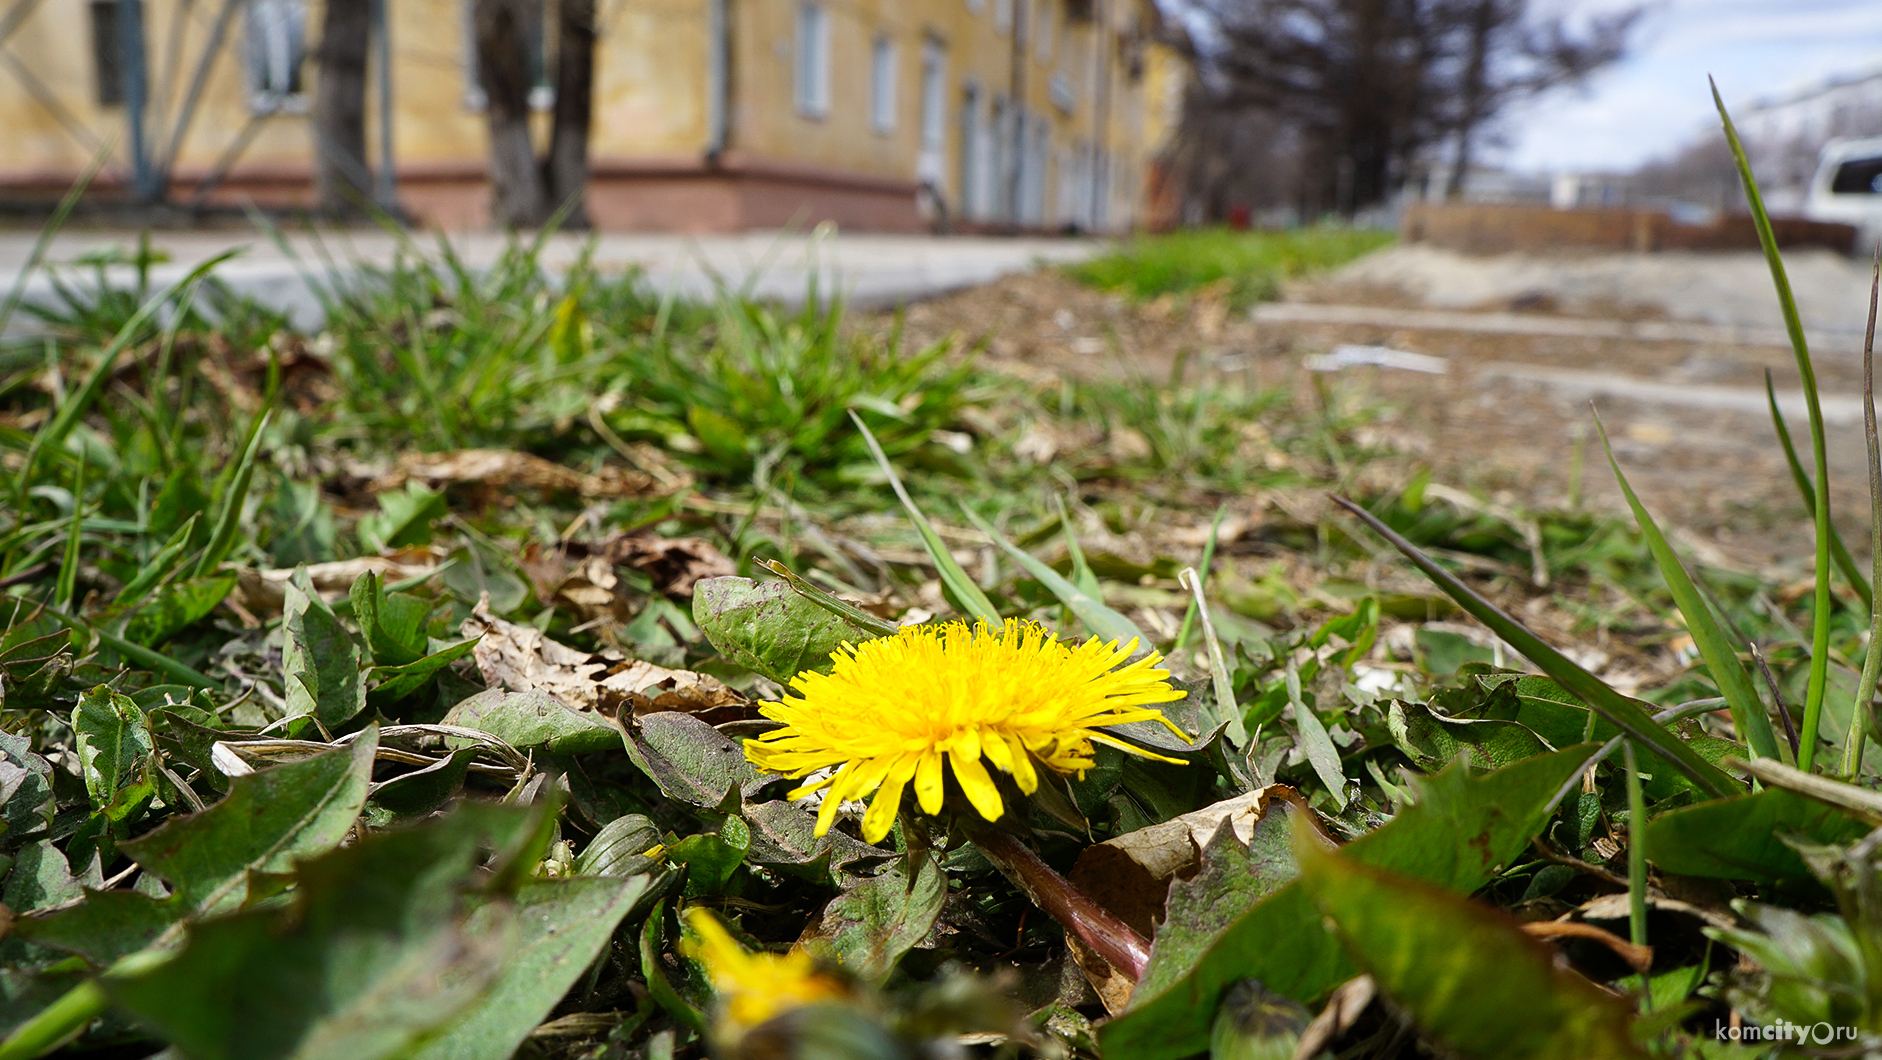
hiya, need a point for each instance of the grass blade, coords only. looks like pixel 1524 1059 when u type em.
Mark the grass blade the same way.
pixel 1207 568
pixel 1082 575
pixel 848 613
pixel 1748 713
pixel 1229 710
pixel 223 538
pixel 1624 713
pixel 1104 623
pixel 76 405
pixel 1860 721
pixel 68 568
pixel 965 593
pixel 1820 611
pixel 1838 551
pixel 1636 850
pixel 153 572
pixel 53 224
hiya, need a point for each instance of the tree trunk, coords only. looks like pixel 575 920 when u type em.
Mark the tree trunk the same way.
pixel 567 164
pixel 342 183
pixel 519 198
pixel 1484 19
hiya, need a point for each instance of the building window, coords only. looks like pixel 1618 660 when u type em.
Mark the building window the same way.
pixel 976 6
pixel 275 45
pixel 933 84
pixel 107 51
pixel 1003 15
pixel 533 17
pixel 882 86
pixel 813 60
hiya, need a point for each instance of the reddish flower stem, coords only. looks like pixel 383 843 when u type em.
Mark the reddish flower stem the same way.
pixel 1114 940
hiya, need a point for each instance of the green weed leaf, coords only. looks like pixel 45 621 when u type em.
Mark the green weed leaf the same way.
pixel 1456 835
pixel 878 919
pixel 561 927
pixel 319 657
pixel 1465 973
pixel 535 720
pixel 770 629
pixel 176 607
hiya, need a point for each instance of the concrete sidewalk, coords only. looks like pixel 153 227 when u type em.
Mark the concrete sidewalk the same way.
pixel 868 269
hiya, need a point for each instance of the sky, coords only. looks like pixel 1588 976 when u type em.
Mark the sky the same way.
pixel 1655 100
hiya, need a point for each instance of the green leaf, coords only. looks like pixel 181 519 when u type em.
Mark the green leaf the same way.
pixel 26 803
pixel 423 790
pixel 114 743
pixel 1318 746
pixel 41 877
pixel 397 682
pixel 393 623
pixel 1465 973
pixel 1742 838
pixel 620 848
pixel 783 836
pixel 961 589
pixel 160 564
pixel 710 859
pixel 176 607
pixel 1459 833
pixel 378 952
pixel 871 925
pixel 319 657
pixel 1626 713
pixel 535 720
pixel 770 629
pixel 270 819
pixel 562 926
pixel 404 518
pixel 1103 622
pixel 1748 713
pixel 1433 742
pixel 690 760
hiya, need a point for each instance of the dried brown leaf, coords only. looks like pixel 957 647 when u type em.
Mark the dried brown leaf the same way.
pixel 521 658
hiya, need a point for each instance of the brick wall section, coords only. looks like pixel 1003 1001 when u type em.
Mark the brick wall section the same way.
pixel 1484 228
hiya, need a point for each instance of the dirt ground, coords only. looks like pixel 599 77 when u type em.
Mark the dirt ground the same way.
pixel 1715 476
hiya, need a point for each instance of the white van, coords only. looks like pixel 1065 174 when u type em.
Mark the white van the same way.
pixel 1848 189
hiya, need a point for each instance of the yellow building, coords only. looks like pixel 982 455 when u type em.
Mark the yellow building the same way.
pixel 710 115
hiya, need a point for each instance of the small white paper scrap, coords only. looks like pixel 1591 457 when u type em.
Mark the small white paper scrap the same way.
pixel 1350 356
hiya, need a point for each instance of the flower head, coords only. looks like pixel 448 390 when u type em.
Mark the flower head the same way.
pixel 754 987
pixel 893 709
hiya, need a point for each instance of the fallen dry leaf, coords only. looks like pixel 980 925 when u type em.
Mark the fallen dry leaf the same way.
pixel 262 592
pixel 520 658
pixel 1130 875
pixel 675 564
pixel 508 471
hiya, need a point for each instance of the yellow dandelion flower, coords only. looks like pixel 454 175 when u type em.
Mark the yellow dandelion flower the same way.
pixel 754 987
pixel 893 709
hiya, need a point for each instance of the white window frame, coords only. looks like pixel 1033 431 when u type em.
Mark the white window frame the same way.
pixel 882 77
pixel 810 69
pixel 934 90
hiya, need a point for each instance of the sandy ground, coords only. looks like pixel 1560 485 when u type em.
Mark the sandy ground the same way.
pixel 1511 418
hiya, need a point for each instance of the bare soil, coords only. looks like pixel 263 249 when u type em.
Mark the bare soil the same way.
pixel 1716 478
